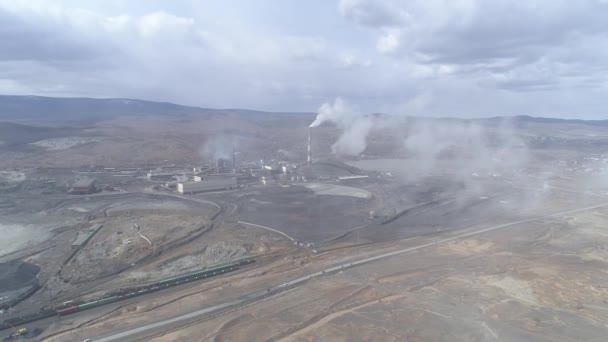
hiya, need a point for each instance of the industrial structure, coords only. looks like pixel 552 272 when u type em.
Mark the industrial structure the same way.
pixel 83 186
pixel 207 184
pixel 225 165
pixel 353 179
pixel 309 158
pixel 71 307
pixel 85 235
pixel 160 176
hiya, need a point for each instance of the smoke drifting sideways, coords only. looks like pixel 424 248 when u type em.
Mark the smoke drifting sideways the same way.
pixel 287 154
pixel 219 146
pixel 468 147
pixel 479 157
pixel 354 125
pixel 483 159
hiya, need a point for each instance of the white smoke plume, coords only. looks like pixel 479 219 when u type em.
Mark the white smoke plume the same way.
pixel 219 146
pixel 471 147
pixel 354 125
pixel 287 154
pixel 475 155
pixel 338 113
pixel 353 140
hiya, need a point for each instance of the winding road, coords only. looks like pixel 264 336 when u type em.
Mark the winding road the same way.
pixel 267 228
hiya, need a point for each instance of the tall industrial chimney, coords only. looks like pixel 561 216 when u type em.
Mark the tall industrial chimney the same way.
pixel 233 159
pixel 309 153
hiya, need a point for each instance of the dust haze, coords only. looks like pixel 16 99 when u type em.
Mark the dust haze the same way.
pixel 133 221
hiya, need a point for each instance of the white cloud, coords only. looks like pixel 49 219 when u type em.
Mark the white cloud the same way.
pixel 480 32
pixel 544 45
pixel 8 86
pixel 161 22
pixel 476 57
pixel 116 24
pixel 389 42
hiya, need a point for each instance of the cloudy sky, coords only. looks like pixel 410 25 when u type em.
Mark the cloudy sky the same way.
pixel 468 58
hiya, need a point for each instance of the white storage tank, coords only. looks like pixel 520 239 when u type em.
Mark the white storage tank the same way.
pixel 207 184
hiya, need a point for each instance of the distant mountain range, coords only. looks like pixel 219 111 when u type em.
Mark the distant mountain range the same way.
pixel 531 119
pixel 55 110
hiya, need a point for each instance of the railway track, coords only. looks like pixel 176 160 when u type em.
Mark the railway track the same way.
pixel 124 294
pixel 88 287
pixel 220 309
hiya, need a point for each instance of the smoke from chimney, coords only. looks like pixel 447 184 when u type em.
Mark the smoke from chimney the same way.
pixel 355 127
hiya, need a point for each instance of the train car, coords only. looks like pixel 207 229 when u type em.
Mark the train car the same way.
pixel 68 310
pixel 70 307
pixel 99 302
pixel 204 273
pixel 246 262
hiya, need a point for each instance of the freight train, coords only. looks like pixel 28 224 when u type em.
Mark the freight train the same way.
pixel 72 307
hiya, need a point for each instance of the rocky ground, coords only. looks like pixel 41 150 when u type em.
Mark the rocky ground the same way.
pixel 531 268
pixel 538 281
pixel 536 275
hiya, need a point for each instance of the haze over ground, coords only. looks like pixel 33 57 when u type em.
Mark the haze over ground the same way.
pixel 430 58
pixel 353 170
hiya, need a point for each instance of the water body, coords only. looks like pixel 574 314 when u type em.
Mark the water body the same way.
pixel 17 236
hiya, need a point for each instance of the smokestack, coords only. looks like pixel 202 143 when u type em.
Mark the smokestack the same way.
pixel 309 154
pixel 233 159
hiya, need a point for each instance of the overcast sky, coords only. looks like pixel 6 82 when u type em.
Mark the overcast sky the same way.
pixel 469 58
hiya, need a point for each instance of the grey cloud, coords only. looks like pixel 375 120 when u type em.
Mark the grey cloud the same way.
pixel 499 30
pixel 463 32
pixel 370 13
pixel 514 44
pixel 42 41
pixel 472 58
pixel 528 84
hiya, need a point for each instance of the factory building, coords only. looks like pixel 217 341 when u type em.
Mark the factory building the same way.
pixel 223 165
pixel 353 179
pixel 160 177
pixel 83 187
pixel 207 184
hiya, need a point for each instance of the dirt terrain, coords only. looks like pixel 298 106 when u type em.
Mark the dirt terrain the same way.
pixel 538 277
pixel 497 236
pixel 496 286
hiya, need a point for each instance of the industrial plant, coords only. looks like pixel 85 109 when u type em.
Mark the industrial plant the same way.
pixel 347 170
pixel 293 227
pixel 200 184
